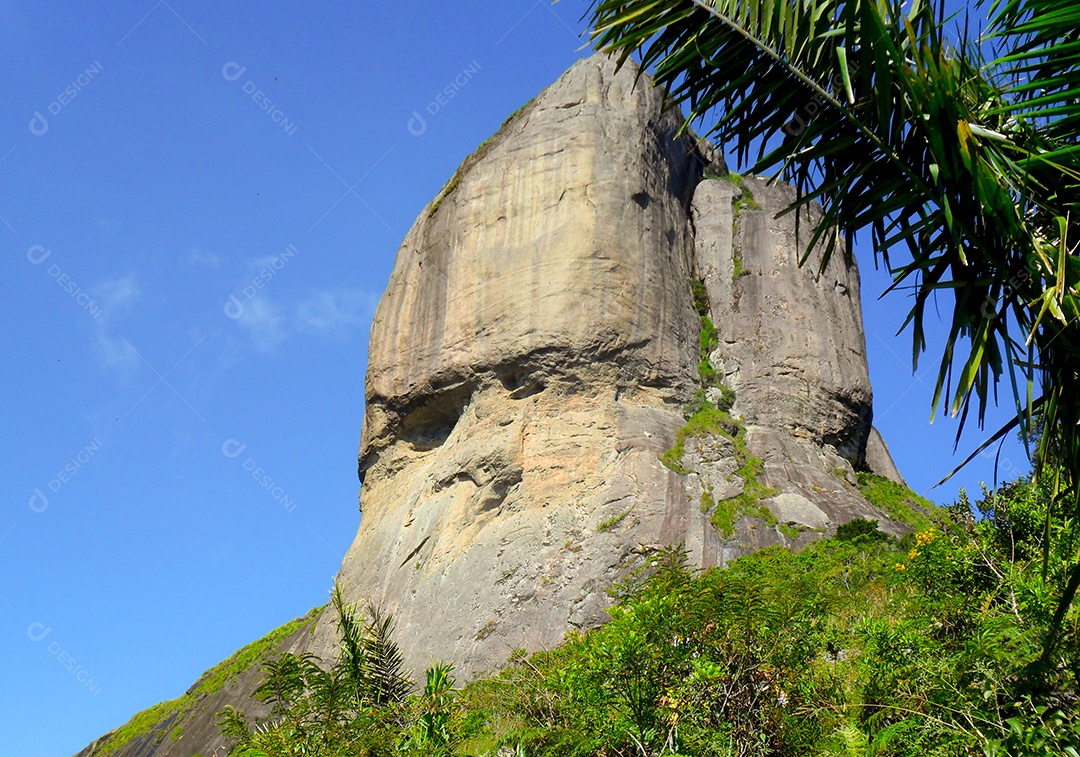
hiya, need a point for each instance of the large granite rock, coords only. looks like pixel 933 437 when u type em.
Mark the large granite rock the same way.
pixel 527 368
pixel 532 356
pixel 532 361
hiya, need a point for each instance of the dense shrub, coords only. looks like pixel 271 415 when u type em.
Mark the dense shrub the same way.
pixel 859 645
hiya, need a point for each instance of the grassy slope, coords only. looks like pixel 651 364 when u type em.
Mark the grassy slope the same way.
pixel 164 717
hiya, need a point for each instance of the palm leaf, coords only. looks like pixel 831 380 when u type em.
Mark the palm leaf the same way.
pixel 972 167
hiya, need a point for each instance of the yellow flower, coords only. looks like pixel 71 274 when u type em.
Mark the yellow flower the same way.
pixel 900 566
pixel 912 554
pixel 924 537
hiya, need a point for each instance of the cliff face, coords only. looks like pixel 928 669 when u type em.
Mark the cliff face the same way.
pixel 532 356
pixel 535 360
pixel 527 367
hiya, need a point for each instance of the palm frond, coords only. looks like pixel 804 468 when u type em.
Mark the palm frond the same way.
pixel 972 167
pixel 387 678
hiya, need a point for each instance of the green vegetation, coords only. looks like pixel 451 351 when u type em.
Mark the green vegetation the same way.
pixel 951 141
pixel 253 654
pixel 450 187
pixel 708 340
pixel 709 421
pixel 860 645
pixel 738 270
pixel 897 500
pixel 790 531
pixel 610 523
pixel 746 201
pixel 145 723
pixel 358 705
pixel 517 112
pixel 841 474
pixel 748 501
pixel 478 153
pixel 859 528
pixel 712 421
pixel 701 297
pixel 149 723
pixel 507 120
pixel 712 418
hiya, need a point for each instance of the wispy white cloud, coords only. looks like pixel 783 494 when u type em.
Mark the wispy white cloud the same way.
pixel 264 322
pixel 117 296
pixel 197 257
pixel 271 263
pixel 328 314
pixel 334 313
pixel 115 354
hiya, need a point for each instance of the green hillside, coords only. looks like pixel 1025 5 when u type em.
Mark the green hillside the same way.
pixel 859 645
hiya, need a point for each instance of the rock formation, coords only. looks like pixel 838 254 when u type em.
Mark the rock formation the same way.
pixel 532 356
pixel 537 355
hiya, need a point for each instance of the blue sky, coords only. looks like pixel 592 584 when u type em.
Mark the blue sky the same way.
pixel 200 206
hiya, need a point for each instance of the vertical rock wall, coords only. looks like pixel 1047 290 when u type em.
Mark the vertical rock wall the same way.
pixel 534 351
pixel 527 368
pixel 791 338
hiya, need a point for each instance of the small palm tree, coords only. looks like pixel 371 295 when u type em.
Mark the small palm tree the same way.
pixel 432 729
pixel 369 656
pixel 330 709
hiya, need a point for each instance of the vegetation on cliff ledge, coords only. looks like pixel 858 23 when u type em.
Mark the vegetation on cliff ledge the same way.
pixel 707 417
pixel 860 645
pixel 901 504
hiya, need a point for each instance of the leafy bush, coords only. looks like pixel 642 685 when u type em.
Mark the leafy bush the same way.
pixel 859 645
pixel 860 528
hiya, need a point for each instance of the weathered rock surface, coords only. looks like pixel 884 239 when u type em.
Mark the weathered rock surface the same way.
pixel 531 358
pixel 791 338
pixel 531 362
pixel 527 368
pixel 879 460
pixel 792 347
